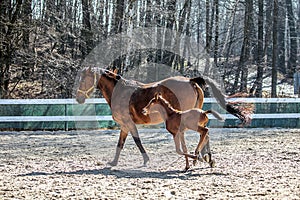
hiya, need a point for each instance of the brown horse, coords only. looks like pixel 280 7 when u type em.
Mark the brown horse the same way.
pixel 127 99
pixel 177 122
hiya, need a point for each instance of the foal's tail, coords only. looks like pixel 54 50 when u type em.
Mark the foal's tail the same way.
pixel 237 109
pixel 216 114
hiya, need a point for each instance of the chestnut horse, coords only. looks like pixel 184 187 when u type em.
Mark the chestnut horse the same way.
pixel 177 122
pixel 127 98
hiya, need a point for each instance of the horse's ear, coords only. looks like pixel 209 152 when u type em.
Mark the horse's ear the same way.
pixel 116 71
pixel 89 68
pixel 156 96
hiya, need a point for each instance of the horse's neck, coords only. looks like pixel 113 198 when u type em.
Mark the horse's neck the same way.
pixel 106 86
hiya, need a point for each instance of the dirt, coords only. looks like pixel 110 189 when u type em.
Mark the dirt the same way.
pixel 250 164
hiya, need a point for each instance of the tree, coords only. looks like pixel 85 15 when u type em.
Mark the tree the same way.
pixel 216 46
pixel 292 60
pixel 274 56
pixel 86 31
pixel 170 22
pixel 257 86
pixel 27 22
pixel 281 36
pixel 209 17
pixel 242 70
pixel 10 40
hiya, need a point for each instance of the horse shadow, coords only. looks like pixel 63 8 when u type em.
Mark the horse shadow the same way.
pixel 133 173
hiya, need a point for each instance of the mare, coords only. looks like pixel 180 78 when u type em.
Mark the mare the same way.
pixel 127 98
pixel 177 122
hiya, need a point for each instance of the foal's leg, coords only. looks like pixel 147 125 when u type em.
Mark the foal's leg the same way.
pixel 206 152
pixel 185 151
pixel 203 139
pixel 137 140
pixel 122 138
pixel 177 140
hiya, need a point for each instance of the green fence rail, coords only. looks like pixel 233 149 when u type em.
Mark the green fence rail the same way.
pixel 66 114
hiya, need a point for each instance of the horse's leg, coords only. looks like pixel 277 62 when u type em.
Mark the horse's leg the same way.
pixel 177 141
pixel 206 151
pixel 203 139
pixel 122 138
pixel 176 138
pixel 207 154
pixel 137 140
pixel 184 148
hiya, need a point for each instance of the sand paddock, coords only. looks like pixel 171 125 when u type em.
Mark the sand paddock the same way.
pixel 250 164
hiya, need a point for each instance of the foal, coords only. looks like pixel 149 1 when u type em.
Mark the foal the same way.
pixel 178 121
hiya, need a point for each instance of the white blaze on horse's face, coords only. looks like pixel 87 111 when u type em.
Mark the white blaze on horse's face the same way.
pixel 87 84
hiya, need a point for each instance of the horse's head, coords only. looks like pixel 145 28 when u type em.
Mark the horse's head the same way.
pixel 155 100
pixel 87 84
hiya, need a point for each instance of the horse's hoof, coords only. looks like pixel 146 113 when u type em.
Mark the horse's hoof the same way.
pixel 212 163
pixel 200 158
pixel 113 163
pixel 146 158
pixel 186 169
pixel 194 162
pixel 206 158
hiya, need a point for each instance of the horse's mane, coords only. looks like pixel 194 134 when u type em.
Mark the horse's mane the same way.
pixel 168 104
pixel 106 72
pixel 116 77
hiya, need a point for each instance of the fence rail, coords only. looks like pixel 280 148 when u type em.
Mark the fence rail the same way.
pixel 31 114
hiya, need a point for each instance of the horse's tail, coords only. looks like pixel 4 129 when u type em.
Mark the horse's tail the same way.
pixel 200 97
pixel 216 114
pixel 242 112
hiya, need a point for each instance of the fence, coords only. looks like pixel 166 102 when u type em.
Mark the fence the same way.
pixel 66 114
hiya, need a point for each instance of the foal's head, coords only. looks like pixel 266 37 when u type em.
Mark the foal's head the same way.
pixel 87 84
pixel 157 99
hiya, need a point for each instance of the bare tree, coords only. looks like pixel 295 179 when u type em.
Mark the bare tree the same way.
pixel 242 71
pixel 10 40
pixel 86 31
pixel 274 56
pixel 292 60
pixel 216 46
pixel 281 36
pixel 257 86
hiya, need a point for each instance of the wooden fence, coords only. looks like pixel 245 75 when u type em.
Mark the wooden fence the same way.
pixel 66 114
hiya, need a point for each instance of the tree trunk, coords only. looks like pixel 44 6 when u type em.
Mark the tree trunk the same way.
pixel 274 56
pixel 281 36
pixel 159 36
pixel 9 16
pixel 245 52
pixel 3 15
pixel 27 23
pixel 292 61
pixel 216 47
pixel 119 13
pixel 86 31
pixel 170 21
pixel 268 31
pixel 183 19
pixel 209 17
pixel 257 86
pixel 298 28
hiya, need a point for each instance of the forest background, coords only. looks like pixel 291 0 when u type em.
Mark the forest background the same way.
pixel 43 43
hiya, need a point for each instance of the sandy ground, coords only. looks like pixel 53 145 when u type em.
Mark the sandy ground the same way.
pixel 250 164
